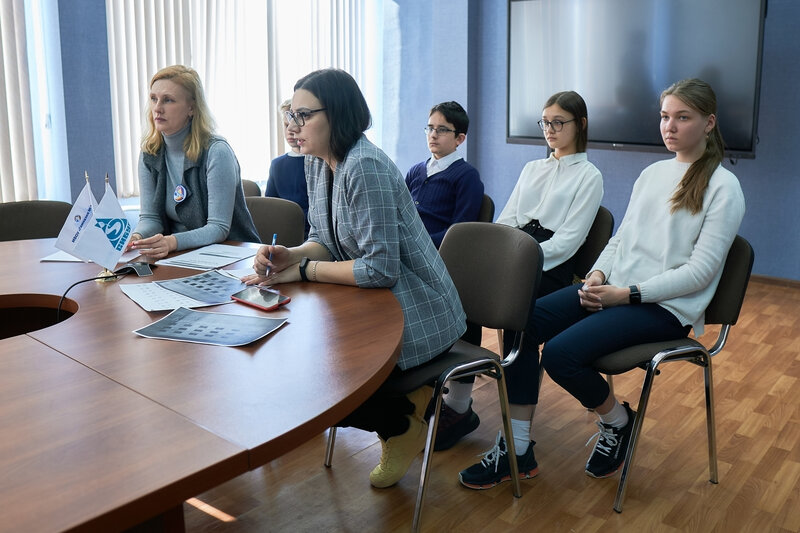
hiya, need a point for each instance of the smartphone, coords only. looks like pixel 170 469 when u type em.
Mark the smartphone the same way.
pixel 261 297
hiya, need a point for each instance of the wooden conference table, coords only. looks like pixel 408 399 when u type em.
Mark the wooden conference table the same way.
pixel 105 429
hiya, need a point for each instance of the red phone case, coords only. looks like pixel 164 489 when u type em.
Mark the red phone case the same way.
pixel 285 300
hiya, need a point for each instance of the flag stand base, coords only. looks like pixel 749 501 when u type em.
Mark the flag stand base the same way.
pixel 106 276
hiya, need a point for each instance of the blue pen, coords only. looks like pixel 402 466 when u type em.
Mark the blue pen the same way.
pixel 274 242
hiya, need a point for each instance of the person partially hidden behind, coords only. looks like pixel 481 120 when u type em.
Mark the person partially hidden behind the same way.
pixel 652 282
pixel 189 178
pixel 365 232
pixel 445 188
pixel 555 201
pixel 287 176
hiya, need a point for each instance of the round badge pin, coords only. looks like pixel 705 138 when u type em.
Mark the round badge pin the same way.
pixel 180 194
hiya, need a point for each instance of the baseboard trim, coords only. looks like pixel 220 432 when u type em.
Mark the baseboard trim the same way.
pixel 783 282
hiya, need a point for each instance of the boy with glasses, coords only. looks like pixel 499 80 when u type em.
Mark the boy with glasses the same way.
pixel 445 188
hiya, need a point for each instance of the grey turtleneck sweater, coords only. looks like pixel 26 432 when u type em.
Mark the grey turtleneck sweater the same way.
pixel 219 170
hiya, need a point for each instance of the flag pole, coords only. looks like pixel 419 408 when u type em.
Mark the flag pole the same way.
pixel 105 275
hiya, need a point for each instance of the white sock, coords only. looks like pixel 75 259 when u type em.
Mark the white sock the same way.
pixel 521 431
pixel 459 396
pixel 617 417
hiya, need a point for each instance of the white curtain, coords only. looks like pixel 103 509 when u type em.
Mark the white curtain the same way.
pixel 248 53
pixel 223 40
pixel 17 161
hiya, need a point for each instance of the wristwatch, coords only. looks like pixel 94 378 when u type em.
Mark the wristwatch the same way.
pixel 303 265
pixel 636 296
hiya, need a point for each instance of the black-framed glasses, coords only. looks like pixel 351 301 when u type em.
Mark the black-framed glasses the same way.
pixel 300 117
pixel 441 130
pixel 557 125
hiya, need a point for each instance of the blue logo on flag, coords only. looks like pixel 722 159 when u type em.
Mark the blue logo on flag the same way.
pixel 116 230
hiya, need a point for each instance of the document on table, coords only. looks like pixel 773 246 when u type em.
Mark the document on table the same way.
pixel 63 257
pixel 220 329
pixel 212 287
pixel 151 297
pixel 209 288
pixel 209 257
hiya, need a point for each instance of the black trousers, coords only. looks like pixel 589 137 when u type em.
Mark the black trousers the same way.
pixel 385 411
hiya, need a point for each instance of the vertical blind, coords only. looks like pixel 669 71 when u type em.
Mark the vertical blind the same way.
pixel 17 161
pixel 247 53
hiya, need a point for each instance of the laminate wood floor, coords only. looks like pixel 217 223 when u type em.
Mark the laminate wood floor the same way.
pixel 757 386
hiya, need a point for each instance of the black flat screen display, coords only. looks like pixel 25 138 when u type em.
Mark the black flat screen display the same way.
pixel 620 54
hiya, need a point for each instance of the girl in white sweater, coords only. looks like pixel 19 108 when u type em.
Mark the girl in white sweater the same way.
pixel 652 283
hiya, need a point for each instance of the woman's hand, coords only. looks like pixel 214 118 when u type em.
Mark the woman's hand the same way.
pixel 156 247
pixel 599 297
pixel 273 265
pixel 135 237
pixel 287 275
pixel 595 296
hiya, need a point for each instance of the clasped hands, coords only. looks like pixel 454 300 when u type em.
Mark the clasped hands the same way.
pixel 595 296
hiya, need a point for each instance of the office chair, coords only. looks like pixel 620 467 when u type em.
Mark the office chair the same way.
pixel 501 300
pixel 596 240
pixel 251 188
pixel 724 310
pixel 277 215
pixel 486 214
pixel 32 219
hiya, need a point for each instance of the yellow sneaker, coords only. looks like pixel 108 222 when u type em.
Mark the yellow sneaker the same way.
pixel 420 398
pixel 398 452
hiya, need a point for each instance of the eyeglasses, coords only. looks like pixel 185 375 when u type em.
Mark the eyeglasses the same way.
pixel 557 125
pixel 300 117
pixel 441 130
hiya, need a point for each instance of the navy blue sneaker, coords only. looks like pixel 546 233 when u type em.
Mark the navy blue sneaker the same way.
pixel 494 468
pixel 610 448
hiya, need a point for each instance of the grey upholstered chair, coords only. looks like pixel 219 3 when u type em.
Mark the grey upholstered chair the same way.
pixel 486 214
pixel 32 219
pixel 251 188
pixel 596 240
pixel 723 310
pixel 495 294
pixel 277 215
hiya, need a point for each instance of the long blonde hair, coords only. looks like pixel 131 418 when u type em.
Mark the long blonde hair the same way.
pixel 202 121
pixel 698 95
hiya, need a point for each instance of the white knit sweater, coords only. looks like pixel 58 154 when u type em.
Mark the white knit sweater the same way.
pixel 675 258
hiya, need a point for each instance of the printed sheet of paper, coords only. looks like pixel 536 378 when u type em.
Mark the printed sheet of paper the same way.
pixel 220 329
pixel 151 297
pixel 212 287
pixel 63 257
pixel 210 257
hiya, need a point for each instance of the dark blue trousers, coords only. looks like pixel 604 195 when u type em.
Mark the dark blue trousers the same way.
pixel 574 338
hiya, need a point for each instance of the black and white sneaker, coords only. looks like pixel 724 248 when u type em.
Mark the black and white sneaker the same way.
pixel 494 468
pixel 609 450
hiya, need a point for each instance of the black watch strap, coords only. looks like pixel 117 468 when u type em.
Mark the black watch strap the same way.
pixel 303 265
pixel 636 296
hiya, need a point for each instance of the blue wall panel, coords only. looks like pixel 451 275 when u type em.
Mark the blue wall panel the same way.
pixel 87 93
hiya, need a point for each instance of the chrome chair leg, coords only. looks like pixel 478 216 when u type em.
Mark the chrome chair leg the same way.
pixel 427 454
pixel 634 438
pixel 329 447
pixel 506 414
pixel 710 421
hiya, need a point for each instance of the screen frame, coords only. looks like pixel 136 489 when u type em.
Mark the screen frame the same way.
pixel 748 153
